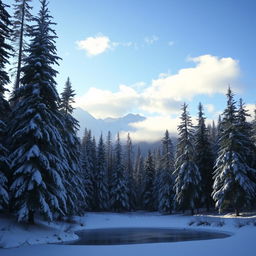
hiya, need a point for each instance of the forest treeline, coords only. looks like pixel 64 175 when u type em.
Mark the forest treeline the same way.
pixel 46 170
pixel 211 167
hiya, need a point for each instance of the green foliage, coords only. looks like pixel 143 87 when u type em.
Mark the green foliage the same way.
pixel 233 187
pixel 204 160
pixel 187 175
pixel 149 176
pixel 166 180
pixel 37 148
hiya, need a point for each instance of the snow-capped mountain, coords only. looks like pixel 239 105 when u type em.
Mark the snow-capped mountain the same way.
pixel 98 126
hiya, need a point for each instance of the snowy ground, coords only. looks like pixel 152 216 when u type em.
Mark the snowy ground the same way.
pixel 242 241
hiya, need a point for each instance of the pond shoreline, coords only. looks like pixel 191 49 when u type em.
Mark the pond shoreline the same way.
pixel 142 235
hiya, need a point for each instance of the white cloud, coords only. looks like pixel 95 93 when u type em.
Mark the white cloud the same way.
pixel 164 96
pixel 139 86
pixel 104 103
pixel 251 108
pixel 123 44
pixel 94 45
pixel 152 128
pixel 210 75
pixel 99 44
pixel 164 75
pixel 151 39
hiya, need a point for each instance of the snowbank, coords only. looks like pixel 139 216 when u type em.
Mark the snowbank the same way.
pixel 242 241
pixel 13 234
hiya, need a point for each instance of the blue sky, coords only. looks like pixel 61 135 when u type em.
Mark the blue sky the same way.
pixel 161 53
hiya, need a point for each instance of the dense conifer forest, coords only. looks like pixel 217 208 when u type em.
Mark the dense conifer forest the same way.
pixel 46 170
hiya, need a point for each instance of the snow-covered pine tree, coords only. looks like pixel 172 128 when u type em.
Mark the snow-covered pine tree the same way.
pixel 88 170
pixel 138 177
pixel 102 178
pixel 246 128
pixel 253 137
pixel 157 160
pixel 21 18
pixel 219 128
pixel 204 160
pixel 38 157
pixel 73 175
pixel 119 189
pixel 4 167
pixel 67 99
pixel 149 175
pixel 213 138
pixel 232 188
pixel 86 175
pixel 5 51
pixel 94 170
pixel 188 178
pixel 109 157
pixel 128 166
pixel 166 190
pixel 5 47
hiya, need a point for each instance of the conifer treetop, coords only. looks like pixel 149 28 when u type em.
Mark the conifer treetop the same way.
pixel 39 75
pixel 67 98
pixel 5 47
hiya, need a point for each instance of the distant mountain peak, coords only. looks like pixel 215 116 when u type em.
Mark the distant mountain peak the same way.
pixel 98 126
pixel 82 112
pixel 131 117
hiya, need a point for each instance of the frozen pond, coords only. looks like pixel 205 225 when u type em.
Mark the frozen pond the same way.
pixel 118 236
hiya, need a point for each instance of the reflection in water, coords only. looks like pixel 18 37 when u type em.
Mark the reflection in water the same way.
pixel 115 236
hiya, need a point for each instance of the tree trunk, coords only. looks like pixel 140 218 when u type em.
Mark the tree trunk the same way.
pixel 237 212
pixel 192 211
pixel 17 82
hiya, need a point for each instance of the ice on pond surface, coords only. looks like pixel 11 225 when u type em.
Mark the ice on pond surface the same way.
pixel 118 236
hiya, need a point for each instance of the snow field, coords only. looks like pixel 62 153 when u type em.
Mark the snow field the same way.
pixel 242 241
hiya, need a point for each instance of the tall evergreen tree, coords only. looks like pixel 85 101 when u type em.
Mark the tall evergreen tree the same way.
pixel 109 157
pixel 88 169
pixel 21 18
pixel 5 47
pixel 138 177
pixel 38 155
pixel 5 52
pixel 93 153
pixel 246 128
pixel 188 178
pixel 86 174
pixel 67 99
pixel 119 188
pixel 156 185
pixel 4 167
pixel 204 159
pixel 232 186
pixel 166 191
pixel 102 178
pixel 149 172
pixel 213 138
pixel 73 175
pixel 253 136
pixel 128 165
